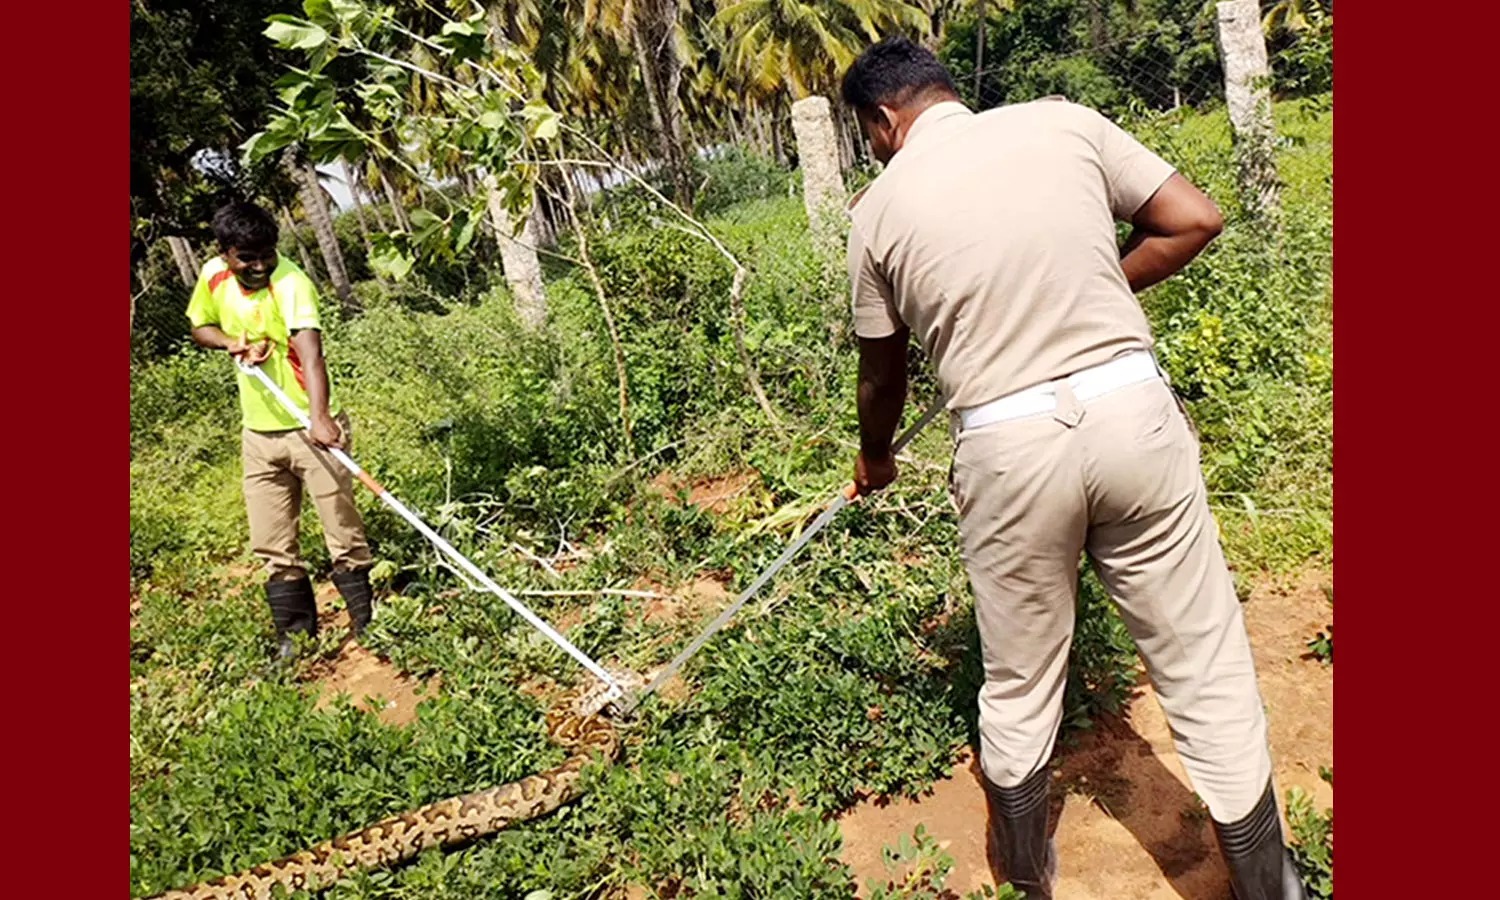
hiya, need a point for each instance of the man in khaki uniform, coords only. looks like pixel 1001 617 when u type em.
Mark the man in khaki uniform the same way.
pixel 263 310
pixel 991 238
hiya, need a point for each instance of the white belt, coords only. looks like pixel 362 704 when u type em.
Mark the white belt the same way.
pixel 1086 384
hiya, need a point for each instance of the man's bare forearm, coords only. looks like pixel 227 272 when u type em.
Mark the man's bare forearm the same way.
pixel 1151 258
pixel 212 337
pixel 879 413
pixel 881 394
pixel 1132 241
pixel 1169 230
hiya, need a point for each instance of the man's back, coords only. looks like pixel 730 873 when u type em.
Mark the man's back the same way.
pixel 992 236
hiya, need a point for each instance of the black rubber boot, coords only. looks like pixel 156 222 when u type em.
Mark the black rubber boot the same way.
pixel 1018 834
pixel 354 587
pixel 1260 866
pixel 293 609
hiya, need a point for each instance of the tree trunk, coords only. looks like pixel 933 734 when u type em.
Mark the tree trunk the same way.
pixel 374 205
pixel 736 131
pixel 848 152
pixel 359 219
pixel 580 177
pixel 315 205
pixel 566 216
pixel 364 227
pixel 762 132
pixel 290 226
pixel 359 210
pixel 518 260
pixel 661 72
pixel 543 217
pixel 701 136
pixel 187 261
pixel 643 59
pixel 617 141
pixel 1247 93
pixel 556 214
pixel 609 200
pixel 778 145
pixel 397 209
pixel 933 42
pixel 979 56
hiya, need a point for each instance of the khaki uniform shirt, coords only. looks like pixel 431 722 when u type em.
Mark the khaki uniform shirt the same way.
pixel 992 237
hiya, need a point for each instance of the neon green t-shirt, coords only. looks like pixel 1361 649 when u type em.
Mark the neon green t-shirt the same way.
pixel 289 303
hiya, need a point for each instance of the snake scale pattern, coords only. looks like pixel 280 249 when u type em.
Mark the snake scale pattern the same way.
pixel 573 724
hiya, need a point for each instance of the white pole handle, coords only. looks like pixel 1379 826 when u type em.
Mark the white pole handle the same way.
pixel 615 689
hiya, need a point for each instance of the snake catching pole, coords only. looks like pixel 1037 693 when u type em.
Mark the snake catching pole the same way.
pixel 447 549
pixel 848 495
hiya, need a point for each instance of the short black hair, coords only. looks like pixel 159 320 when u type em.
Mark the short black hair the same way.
pixel 245 226
pixel 893 73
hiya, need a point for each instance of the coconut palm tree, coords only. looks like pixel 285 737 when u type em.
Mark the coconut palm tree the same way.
pixel 652 32
pixel 315 206
pixel 1292 15
pixel 805 44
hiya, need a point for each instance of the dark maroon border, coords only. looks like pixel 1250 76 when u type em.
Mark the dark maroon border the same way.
pixel 65 713
pixel 1415 386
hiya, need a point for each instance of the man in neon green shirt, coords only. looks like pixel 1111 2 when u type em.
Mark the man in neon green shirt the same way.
pixel 262 309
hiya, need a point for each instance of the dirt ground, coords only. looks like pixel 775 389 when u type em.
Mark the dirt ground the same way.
pixel 1128 827
pixel 690 603
pixel 716 495
pixel 370 682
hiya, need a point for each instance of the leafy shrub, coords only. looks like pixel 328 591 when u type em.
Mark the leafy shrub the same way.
pixel 735 175
pixel 1312 842
pixel 918 868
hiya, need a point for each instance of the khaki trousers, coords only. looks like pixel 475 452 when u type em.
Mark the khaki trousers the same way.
pixel 278 466
pixel 1118 478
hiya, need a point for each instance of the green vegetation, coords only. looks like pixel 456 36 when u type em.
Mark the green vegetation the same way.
pixel 855 671
pixel 1312 841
